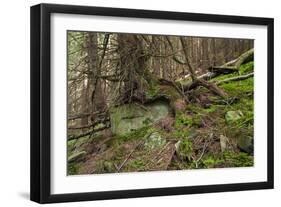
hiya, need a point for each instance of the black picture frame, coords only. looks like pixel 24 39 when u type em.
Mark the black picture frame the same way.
pixel 41 97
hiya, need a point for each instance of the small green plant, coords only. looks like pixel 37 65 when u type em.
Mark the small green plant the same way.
pixel 185 149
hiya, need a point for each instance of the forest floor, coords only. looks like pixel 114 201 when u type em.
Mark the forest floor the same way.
pixel 212 132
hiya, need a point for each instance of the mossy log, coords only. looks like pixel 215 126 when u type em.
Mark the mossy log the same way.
pixel 214 71
pixel 237 78
pixel 234 65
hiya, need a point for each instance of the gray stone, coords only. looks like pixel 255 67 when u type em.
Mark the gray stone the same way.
pixel 133 116
pixel 246 144
pixel 223 142
pixel 233 116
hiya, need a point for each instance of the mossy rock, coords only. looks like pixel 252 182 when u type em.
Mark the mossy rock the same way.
pixel 129 117
pixel 233 116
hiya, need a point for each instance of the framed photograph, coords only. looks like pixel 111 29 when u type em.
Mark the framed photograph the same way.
pixel 133 103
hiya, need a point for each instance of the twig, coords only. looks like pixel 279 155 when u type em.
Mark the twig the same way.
pixel 203 152
pixel 155 158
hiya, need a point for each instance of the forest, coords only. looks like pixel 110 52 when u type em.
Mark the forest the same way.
pixel 141 102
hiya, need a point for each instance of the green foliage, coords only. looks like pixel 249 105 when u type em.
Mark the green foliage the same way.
pixel 226 159
pixel 238 159
pixel 211 162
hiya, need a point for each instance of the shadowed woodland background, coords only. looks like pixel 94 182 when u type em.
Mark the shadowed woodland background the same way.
pixel 152 102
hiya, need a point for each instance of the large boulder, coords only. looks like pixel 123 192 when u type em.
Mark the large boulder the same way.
pixel 129 117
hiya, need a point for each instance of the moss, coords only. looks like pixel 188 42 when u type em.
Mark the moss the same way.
pixel 238 159
pixel 104 166
pixel 211 109
pixel 153 90
pixel 169 93
pixel 226 159
pixel 138 164
pixel 72 168
pixel 212 162
pixel 247 67
pixel 135 134
pixel 246 106
pixel 238 88
pixel 195 109
pixel 70 146
pixel 183 120
pixel 244 69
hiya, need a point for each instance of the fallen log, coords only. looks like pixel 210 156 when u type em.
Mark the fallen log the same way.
pixel 72 137
pixel 214 71
pixel 102 121
pixel 234 65
pixel 237 78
